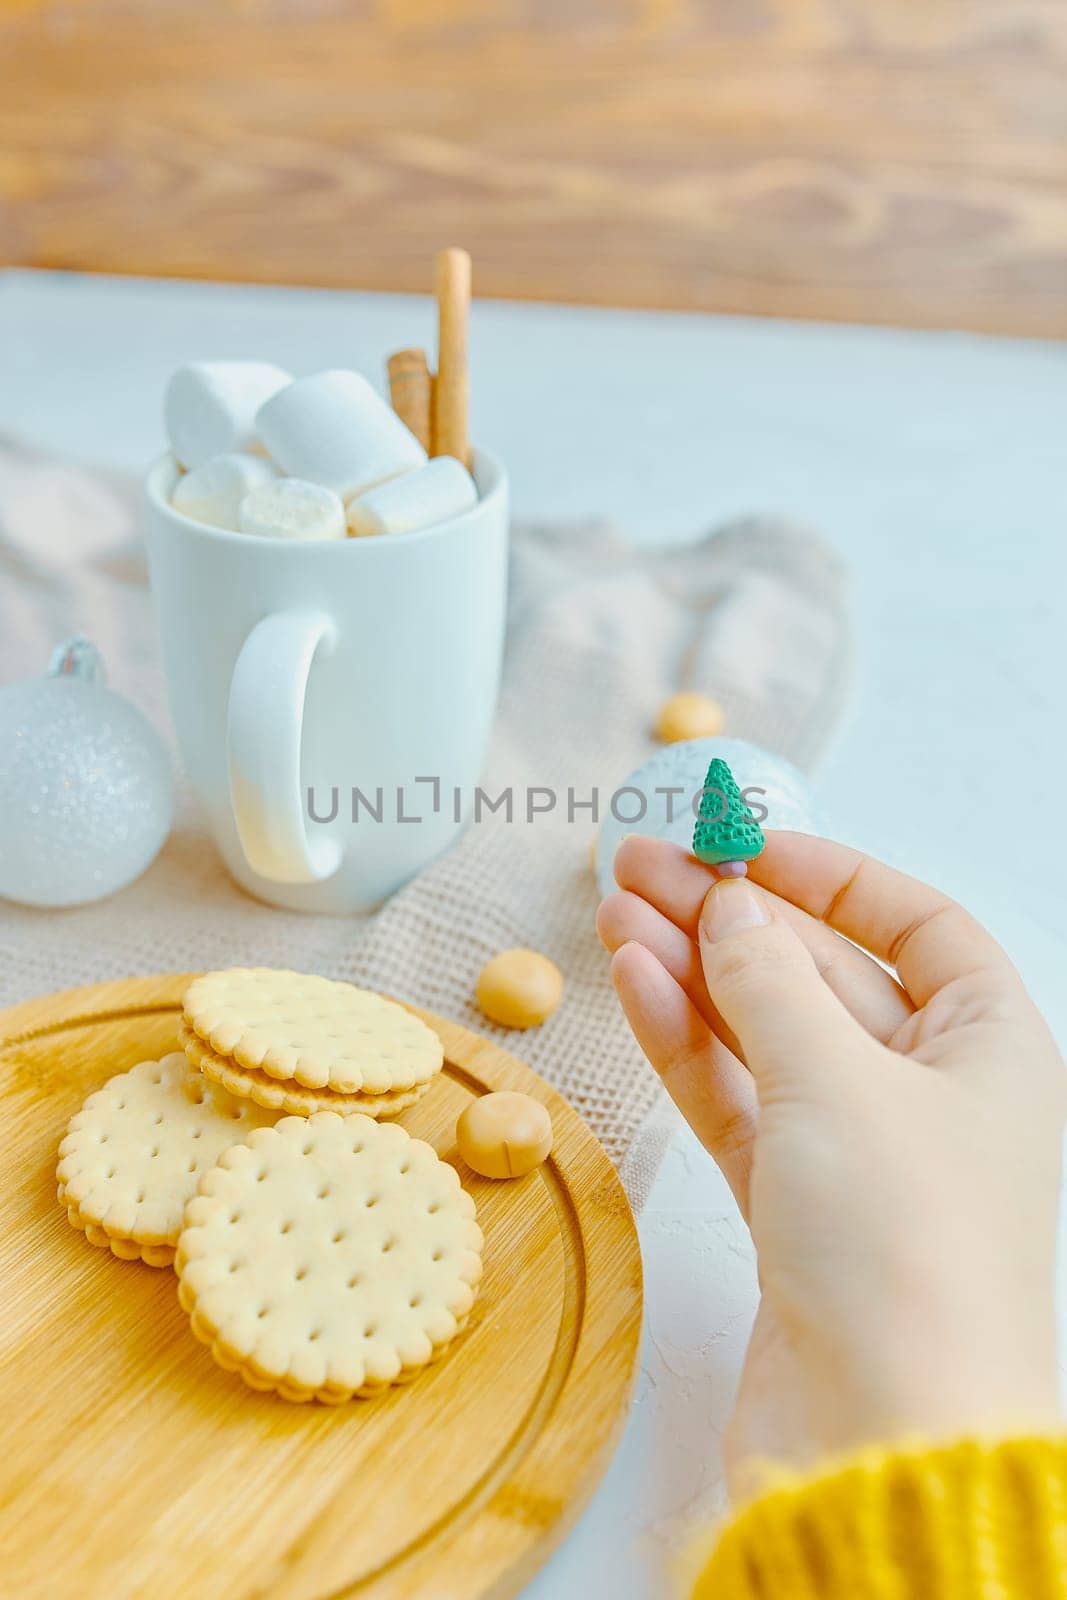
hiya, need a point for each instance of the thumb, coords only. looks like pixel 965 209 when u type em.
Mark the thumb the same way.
pixel 793 1030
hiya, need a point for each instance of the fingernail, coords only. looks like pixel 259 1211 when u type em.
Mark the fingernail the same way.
pixel 733 906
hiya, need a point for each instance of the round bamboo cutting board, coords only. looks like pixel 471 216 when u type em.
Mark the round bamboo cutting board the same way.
pixel 133 1466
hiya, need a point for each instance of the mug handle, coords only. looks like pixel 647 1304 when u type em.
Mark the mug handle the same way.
pixel 264 729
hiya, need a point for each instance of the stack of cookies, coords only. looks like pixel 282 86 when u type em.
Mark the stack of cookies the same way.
pixel 324 1255
pixel 296 1043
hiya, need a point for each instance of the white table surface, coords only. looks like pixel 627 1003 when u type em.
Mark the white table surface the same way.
pixel 937 463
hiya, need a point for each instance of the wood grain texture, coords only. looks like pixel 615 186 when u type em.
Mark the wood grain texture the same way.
pixel 850 159
pixel 134 1466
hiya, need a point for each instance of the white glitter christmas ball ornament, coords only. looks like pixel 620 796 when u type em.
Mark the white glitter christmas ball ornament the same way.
pixel 86 793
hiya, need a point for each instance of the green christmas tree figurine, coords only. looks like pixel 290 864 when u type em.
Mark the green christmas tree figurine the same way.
pixel 726 830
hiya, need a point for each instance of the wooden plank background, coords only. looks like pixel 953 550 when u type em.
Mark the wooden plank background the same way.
pixel 880 160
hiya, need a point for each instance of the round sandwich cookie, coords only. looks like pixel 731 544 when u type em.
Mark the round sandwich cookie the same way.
pixel 135 1152
pixel 286 1096
pixel 329 1257
pixel 313 1031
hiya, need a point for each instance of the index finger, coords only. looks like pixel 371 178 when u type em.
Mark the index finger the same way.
pixel 925 935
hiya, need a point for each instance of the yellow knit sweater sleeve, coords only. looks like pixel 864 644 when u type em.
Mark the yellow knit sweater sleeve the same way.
pixel 965 1521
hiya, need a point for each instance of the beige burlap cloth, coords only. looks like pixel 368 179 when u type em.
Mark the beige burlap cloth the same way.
pixel 599 635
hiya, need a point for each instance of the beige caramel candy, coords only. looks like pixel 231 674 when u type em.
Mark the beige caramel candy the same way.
pixel 688 716
pixel 504 1135
pixel 519 988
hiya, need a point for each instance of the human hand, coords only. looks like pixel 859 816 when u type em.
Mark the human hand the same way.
pixel 894 1142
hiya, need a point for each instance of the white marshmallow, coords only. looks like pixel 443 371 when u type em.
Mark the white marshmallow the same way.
pixel 210 407
pixel 441 489
pixel 213 493
pixel 290 508
pixel 335 429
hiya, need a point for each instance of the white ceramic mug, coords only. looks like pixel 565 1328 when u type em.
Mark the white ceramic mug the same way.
pixel 299 673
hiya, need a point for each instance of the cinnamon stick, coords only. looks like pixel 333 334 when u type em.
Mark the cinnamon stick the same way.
pixel 410 390
pixel 452 384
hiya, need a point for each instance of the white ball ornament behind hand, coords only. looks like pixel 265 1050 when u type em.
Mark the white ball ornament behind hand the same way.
pixel 657 799
pixel 86 793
